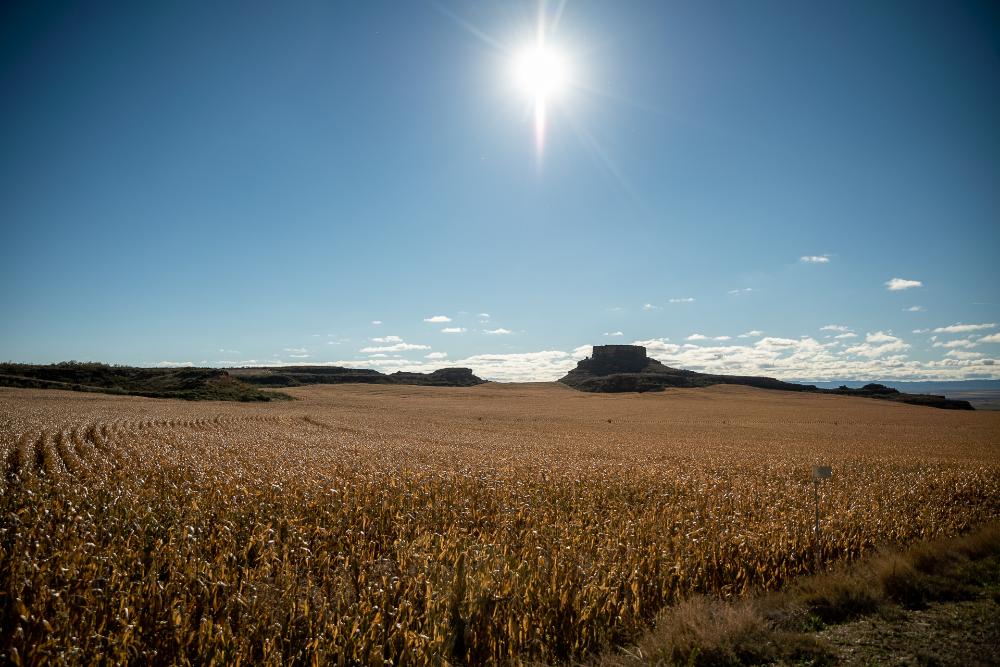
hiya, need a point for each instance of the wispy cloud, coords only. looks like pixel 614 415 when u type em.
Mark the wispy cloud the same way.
pixel 296 350
pixel 743 290
pixel 437 319
pixel 958 342
pixel 225 351
pixel 962 354
pixel 814 259
pixel 485 316
pixel 914 309
pixel 753 333
pixel 387 339
pixel 835 327
pixel 686 299
pixel 299 356
pixel 174 364
pixel 649 306
pixel 398 347
pixel 453 330
pixel 376 322
pixel 849 334
pixel 613 333
pixel 436 355
pixel 696 336
pixel 965 328
pixel 498 332
pixel 897 284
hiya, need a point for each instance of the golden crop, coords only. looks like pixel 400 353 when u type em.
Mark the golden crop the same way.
pixel 405 525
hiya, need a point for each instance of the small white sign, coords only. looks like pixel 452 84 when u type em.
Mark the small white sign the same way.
pixel 822 472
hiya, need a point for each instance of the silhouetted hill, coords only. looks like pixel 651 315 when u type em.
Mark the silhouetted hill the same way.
pixel 210 384
pixel 192 384
pixel 294 376
pixel 623 368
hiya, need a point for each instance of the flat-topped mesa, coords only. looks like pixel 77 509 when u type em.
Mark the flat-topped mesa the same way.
pixel 608 359
pixel 625 368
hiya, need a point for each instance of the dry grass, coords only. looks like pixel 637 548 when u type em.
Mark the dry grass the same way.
pixel 777 628
pixel 415 525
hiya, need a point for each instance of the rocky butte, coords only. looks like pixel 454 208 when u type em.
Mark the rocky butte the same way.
pixel 624 368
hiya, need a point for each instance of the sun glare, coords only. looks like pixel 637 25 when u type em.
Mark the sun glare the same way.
pixel 542 74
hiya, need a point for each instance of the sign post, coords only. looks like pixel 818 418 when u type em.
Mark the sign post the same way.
pixel 819 474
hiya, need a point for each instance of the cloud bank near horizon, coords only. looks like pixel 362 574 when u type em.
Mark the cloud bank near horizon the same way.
pixel 880 355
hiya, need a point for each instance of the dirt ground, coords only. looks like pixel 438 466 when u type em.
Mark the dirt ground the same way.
pixel 965 633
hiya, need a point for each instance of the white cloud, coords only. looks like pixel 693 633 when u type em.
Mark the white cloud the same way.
pixel 962 354
pixel 225 351
pixel 878 344
pixel 174 364
pixel 921 331
pixel 498 332
pixel 835 327
pixel 296 350
pixel 723 338
pixel 436 355
pixel 897 284
pixel 849 334
pixel 299 356
pixel 880 337
pixel 387 339
pixel 437 319
pixel 696 336
pixel 959 342
pixel 965 328
pixel 814 259
pixel 914 309
pixel 686 299
pixel 992 338
pixel 376 322
pixel 485 316
pixel 614 333
pixel 378 355
pixel 753 333
pixel 649 306
pixel 398 347
pixel 450 330
pixel 741 291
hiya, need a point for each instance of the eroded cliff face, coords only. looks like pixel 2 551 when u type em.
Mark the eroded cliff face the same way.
pixel 608 359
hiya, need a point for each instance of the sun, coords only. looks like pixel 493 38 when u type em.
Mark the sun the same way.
pixel 542 73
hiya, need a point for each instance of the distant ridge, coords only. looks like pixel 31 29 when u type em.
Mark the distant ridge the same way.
pixel 294 376
pixel 626 368
pixel 210 384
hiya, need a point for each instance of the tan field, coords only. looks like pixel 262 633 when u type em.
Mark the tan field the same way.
pixel 500 523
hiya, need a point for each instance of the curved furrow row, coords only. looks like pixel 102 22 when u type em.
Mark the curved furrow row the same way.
pixel 67 455
pixel 49 462
pixel 17 460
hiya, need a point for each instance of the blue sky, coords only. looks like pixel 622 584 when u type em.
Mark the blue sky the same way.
pixel 258 183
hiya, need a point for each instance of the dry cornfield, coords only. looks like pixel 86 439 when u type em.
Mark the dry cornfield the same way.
pixel 418 525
